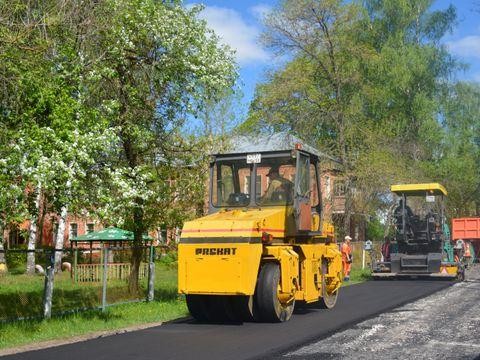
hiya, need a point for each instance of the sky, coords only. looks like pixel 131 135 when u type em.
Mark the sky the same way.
pixel 239 24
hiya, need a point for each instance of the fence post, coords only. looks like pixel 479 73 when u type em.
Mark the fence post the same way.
pixel 48 289
pixel 363 258
pixel 104 288
pixel 151 275
pixel 75 263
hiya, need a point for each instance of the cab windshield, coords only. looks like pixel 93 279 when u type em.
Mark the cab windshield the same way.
pixel 274 182
pixel 275 179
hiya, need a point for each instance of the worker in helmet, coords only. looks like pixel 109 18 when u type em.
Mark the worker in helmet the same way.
pixel 458 250
pixel 346 251
pixel 279 189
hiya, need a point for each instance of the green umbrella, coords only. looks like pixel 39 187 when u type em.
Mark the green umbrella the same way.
pixel 109 234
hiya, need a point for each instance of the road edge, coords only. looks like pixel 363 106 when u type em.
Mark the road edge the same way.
pixel 66 341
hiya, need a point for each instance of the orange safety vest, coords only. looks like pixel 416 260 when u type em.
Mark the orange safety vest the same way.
pixel 346 252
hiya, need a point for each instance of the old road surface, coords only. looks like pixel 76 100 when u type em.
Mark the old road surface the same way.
pixel 186 339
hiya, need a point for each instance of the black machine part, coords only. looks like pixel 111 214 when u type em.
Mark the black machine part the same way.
pixel 415 264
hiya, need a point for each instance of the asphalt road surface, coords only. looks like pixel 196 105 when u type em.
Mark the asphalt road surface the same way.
pixel 186 339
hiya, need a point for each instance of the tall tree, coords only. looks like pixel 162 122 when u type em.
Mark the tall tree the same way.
pixel 362 82
pixel 159 64
pixel 459 164
pixel 53 135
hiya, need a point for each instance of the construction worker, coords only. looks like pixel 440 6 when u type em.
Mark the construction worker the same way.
pixel 386 250
pixel 278 187
pixel 458 250
pixel 346 251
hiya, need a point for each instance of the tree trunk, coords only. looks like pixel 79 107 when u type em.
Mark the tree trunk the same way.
pixel 133 286
pixel 59 238
pixel 32 234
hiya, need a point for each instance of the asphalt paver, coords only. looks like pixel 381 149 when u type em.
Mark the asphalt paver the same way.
pixel 186 339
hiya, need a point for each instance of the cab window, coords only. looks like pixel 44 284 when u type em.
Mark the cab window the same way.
pixel 229 188
pixel 275 181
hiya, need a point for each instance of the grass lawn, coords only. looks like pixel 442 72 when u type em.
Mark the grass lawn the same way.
pixel 357 275
pixel 167 306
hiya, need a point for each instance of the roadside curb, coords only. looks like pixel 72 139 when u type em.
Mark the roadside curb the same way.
pixel 90 336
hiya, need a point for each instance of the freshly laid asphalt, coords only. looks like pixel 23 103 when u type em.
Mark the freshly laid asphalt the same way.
pixel 185 339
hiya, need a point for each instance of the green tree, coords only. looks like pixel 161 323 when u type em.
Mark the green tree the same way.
pixel 159 65
pixel 459 165
pixel 53 136
pixel 364 82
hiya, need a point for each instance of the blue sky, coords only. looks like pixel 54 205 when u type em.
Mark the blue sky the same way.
pixel 239 24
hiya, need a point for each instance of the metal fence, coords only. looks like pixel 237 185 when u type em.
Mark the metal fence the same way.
pixel 88 278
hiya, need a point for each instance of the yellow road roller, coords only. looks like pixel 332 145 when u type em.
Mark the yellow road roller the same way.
pixel 264 245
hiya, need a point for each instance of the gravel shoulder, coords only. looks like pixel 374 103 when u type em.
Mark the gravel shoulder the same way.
pixel 444 325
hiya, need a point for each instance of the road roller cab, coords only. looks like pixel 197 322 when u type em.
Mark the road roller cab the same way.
pixel 263 246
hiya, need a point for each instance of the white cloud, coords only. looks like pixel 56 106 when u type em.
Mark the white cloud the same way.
pixel 229 25
pixel 260 11
pixel 468 46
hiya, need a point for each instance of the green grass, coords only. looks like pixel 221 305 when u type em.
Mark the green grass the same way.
pixel 357 275
pixel 21 295
pixel 166 306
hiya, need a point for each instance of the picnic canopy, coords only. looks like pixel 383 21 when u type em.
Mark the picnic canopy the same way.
pixel 108 234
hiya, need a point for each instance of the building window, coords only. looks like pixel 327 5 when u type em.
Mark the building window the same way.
pixel 90 228
pixel 339 188
pixel 258 188
pixel 73 230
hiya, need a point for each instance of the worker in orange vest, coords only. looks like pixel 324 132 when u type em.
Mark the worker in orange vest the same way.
pixel 346 257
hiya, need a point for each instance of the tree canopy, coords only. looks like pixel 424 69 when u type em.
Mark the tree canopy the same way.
pixel 371 83
pixel 94 99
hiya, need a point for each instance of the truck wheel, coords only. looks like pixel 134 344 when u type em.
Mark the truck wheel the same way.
pixel 328 300
pixel 270 309
pixel 197 306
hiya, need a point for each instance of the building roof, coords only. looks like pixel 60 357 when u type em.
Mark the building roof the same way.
pixel 419 189
pixel 281 141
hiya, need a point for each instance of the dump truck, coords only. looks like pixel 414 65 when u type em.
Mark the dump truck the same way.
pixel 263 247
pixel 421 245
pixel 468 231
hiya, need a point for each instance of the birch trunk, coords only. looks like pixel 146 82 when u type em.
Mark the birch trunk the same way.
pixel 32 234
pixel 60 237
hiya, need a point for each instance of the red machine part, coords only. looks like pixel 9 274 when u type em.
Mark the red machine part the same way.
pixel 466 229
